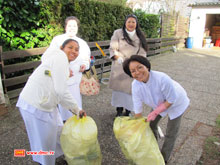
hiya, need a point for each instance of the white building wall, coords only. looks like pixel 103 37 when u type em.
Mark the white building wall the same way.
pixel 197 24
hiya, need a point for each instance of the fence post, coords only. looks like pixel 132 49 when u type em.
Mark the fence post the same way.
pixel 3 108
pixel 2 97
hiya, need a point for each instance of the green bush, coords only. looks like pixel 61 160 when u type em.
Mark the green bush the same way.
pixel 33 23
pixel 116 2
pixel 150 23
pixel 17 20
pixel 98 19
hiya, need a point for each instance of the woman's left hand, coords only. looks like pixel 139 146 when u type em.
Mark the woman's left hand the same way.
pixel 138 115
pixel 82 113
pixel 152 116
pixel 71 73
pixel 161 108
pixel 82 68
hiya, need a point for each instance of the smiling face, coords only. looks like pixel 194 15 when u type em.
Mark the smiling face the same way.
pixel 131 24
pixel 71 28
pixel 72 50
pixel 139 71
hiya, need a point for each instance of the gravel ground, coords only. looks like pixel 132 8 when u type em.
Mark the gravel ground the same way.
pixel 196 70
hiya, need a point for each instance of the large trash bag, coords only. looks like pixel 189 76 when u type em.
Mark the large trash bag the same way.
pixel 79 142
pixel 137 141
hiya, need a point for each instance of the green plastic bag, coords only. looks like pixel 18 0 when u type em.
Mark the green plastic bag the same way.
pixel 137 141
pixel 79 142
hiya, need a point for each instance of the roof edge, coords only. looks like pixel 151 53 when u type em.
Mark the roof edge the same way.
pixel 197 4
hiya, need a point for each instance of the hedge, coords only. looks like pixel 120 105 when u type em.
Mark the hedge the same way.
pixel 33 23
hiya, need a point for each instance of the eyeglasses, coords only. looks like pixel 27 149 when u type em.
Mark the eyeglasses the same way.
pixel 137 69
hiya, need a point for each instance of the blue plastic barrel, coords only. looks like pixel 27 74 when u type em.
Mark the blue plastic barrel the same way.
pixel 189 42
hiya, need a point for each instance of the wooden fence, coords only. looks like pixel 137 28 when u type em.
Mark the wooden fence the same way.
pixel 15 75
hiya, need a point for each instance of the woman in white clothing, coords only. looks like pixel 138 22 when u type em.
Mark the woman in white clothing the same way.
pixel 44 90
pixel 164 95
pixel 125 42
pixel 77 66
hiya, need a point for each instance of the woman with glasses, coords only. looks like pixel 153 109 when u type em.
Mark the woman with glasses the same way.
pixel 164 95
pixel 127 41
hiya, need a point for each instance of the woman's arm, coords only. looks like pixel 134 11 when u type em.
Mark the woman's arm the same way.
pixel 155 112
pixel 114 45
pixel 161 108
pixel 60 75
pixel 167 104
pixel 84 55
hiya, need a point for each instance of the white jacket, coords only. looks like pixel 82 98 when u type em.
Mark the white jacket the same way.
pixel 45 92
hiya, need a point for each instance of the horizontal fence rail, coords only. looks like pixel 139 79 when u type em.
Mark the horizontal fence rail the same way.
pixel 17 65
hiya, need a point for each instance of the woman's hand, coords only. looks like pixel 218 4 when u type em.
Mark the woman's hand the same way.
pixel 115 57
pixel 120 60
pixel 161 108
pixel 71 73
pixel 82 68
pixel 138 115
pixel 152 116
pixel 82 113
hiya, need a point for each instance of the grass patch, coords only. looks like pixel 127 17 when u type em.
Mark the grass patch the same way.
pixel 211 148
pixel 218 122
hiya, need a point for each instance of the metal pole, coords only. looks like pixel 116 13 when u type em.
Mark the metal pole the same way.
pixel 102 69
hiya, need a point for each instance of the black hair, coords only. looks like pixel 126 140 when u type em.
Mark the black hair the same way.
pixel 138 31
pixel 138 58
pixel 67 41
pixel 71 18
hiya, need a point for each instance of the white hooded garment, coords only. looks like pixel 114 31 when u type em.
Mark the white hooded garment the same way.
pixel 38 104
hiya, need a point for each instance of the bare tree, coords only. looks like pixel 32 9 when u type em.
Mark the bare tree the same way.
pixel 156 6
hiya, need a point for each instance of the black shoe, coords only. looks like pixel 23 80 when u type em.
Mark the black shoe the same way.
pixel 167 161
pixel 127 112
pixel 119 111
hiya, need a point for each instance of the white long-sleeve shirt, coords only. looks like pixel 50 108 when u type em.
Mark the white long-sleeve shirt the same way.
pixel 159 88
pixel 45 92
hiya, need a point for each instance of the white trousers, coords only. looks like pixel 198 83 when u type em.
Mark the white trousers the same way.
pixel 75 91
pixel 121 99
pixel 44 135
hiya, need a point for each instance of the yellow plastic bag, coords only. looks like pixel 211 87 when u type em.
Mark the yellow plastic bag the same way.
pixel 137 141
pixel 79 142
